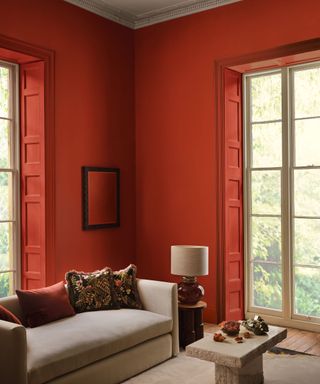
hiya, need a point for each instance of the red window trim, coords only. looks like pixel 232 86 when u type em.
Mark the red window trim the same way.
pixel 21 52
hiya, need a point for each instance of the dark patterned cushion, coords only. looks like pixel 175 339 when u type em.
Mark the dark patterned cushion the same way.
pixel 126 287
pixel 92 291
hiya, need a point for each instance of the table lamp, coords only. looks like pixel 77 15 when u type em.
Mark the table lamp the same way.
pixel 189 261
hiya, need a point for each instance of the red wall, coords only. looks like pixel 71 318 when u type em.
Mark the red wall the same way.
pixel 176 138
pixel 175 151
pixel 94 121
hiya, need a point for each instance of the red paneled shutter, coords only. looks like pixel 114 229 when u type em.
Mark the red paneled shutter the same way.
pixel 233 197
pixel 32 175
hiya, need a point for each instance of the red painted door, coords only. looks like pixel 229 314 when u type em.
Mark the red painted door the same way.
pixel 32 175
pixel 233 197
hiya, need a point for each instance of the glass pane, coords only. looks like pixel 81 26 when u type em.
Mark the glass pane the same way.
pixel 307 288
pixel 267 285
pixel 4 144
pixel 5 246
pixel 266 98
pixel 266 196
pixel 6 284
pixel 266 145
pixel 307 192
pixel 5 196
pixel 266 239
pixel 4 92
pixel 307 92
pixel 307 142
pixel 307 242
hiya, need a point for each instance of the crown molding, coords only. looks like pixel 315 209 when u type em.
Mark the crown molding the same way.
pixel 139 21
pixel 170 13
pixel 105 11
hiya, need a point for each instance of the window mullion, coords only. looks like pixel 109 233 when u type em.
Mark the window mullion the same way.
pixel 15 137
pixel 285 192
pixel 291 195
pixel 266 169
pixel 247 193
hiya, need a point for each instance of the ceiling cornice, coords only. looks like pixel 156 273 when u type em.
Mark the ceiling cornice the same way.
pixel 104 11
pixel 158 16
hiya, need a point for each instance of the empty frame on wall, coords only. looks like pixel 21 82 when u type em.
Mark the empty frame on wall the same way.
pixel 100 197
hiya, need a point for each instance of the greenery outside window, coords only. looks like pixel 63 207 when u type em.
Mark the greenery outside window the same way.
pixel 9 180
pixel 282 193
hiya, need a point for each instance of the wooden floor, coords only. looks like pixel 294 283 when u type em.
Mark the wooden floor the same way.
pixel 297 340
pixel 302 341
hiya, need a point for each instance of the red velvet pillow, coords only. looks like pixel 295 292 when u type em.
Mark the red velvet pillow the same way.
pixel 6 315
pixel 41 306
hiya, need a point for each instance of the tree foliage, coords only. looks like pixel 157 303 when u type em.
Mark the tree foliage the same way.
pixel 4 285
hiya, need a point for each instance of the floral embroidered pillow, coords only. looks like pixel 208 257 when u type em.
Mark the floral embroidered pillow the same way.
pixel 92 291
pixel 126 287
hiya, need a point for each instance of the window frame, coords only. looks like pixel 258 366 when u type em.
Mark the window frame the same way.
pixel 286 316
pixel 14 169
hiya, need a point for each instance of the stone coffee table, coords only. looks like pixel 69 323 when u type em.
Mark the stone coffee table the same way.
pixel 237 363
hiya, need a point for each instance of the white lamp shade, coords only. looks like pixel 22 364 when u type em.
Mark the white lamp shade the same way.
pixel 189 260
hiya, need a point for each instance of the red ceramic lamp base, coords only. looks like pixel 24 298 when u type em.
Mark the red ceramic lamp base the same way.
pixel 189 291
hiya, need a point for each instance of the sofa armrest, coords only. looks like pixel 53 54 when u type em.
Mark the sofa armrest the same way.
pixel 162 297
pixel 13 353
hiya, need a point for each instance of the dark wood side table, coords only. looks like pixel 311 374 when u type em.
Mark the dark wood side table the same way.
pixel 190 322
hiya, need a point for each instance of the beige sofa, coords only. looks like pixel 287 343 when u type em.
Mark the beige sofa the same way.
pixel 92 347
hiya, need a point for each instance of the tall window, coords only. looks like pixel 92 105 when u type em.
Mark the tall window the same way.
pixel 282 190
pixel 9 181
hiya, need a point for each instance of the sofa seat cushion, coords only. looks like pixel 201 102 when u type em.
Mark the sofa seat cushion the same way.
pixel 68 344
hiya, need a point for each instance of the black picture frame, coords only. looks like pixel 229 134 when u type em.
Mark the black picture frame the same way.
pixel 89 174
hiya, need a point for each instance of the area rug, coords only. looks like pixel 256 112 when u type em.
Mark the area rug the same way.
pixel 278 369
pixel 285 351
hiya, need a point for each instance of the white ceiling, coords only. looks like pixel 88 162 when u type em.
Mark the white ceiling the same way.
pixel 140 13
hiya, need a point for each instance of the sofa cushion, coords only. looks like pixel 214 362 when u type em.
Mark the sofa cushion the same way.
pixel 125 283
pixel 92 291
pixel 63 346
pixel 7 315
pixel 40 306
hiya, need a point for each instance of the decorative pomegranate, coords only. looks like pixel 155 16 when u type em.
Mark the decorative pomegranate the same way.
pixel 231 328
pixel 218 337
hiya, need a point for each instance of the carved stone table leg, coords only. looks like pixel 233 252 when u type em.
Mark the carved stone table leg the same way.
pixel 251 373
